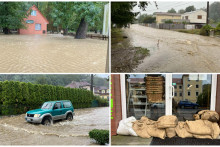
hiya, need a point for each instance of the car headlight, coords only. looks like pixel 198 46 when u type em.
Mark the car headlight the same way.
pixel 36 115
pixel 26 114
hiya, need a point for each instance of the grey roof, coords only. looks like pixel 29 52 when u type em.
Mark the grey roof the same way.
pixel 100 88
pixel 74 84
pixel 167 14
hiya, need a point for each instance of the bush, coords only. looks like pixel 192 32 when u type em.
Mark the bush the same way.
pixel 205 30
pixel 101 101
pixel 101 136
pixel 19 97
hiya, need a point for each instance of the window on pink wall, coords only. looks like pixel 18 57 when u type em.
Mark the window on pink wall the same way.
pixel 37 27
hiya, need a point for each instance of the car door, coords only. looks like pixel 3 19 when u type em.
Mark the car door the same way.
pixel 57 111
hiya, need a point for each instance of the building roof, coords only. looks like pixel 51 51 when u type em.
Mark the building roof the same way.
pixel 167 14
pixel 74 84
pixel 192 12
pixel 40 13
pixel 177 81
pixel 137 80
pixel 100 88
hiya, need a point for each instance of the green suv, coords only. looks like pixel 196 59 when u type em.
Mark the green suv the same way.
pixel 50 111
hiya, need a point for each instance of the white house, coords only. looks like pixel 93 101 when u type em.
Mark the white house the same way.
pixel 197 17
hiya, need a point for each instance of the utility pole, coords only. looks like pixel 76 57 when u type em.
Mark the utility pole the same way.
pixel 207 17
pixel 91 87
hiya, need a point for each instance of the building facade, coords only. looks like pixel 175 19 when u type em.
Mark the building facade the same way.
pixel 36 23
pixel 161 17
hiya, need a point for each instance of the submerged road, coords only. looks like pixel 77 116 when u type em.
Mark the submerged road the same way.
pixel 51 53
pixel 16 131
pixel 172 51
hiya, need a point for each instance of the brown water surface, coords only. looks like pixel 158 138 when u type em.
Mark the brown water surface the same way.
pixel 172 51
pixel 51 54
pixel 16 131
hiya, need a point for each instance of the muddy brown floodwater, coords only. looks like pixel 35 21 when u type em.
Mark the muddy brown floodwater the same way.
pixel 172 51
pixel 16 131
pixel 51 54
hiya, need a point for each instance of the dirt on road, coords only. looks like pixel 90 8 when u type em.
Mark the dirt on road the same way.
pixel 52 53
pixel 172 51
pixel 16 131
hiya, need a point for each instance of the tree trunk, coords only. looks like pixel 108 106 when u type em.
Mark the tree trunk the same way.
pixel 6 30
pixel 82 30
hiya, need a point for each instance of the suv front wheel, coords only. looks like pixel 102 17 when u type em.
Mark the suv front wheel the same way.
pixel 47 121
pixel 69 117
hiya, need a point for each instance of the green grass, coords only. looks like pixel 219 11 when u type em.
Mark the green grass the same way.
pixel 116 35
pixel 194 31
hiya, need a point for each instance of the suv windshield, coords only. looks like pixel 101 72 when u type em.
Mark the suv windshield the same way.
pixel 47 105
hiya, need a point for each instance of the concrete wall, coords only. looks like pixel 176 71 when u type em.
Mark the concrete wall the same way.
pixel 171 26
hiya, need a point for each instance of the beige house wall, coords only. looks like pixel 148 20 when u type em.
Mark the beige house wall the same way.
pixel 192 89
pixel 178 90
pixel 160 17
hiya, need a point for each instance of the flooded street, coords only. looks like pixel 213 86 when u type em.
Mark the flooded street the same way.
pixel 16 131
pixel 51 54
pixel 172 51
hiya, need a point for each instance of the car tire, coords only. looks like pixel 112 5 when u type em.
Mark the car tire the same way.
pixel 69 117
pixel 182 107
pixel 47 121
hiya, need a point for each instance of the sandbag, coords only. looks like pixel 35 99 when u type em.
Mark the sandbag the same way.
pixel 156 132
pixel 212 116
pixel 125 127
pixel 147 121
pixel 167 121
pixel 140 129
pixel 181 130
pixel 198 127
pixel 202 136
pixel 170 132
pixel 216 130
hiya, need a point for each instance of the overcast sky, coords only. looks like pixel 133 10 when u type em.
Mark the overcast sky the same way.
pixel 165 6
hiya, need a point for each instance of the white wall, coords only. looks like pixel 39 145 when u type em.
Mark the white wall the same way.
pixel 193 16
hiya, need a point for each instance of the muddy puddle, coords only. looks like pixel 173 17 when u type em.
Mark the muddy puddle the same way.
pixel 51 53
pixel 172 51
pixel 16 131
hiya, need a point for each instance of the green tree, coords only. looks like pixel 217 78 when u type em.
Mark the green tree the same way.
pixel 122 12
pixel 214 11
pixel 205 97
pixel 12 15
pixel 181 11
pixel 190 8
pixel 172 10
pixel 146 19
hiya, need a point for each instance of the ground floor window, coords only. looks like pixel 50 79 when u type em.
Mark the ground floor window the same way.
pixel 145 95
pixel 37 27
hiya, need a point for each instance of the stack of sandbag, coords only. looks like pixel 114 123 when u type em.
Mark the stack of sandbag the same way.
pixel 168 123
pixel 125 127
pixel 207 115
pixel 165 126
pixel 205 126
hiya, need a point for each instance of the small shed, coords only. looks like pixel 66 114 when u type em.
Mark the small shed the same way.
pixel 36 23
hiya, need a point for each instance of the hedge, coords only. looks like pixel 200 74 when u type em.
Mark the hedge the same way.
pixel 19 97
pixel 101 136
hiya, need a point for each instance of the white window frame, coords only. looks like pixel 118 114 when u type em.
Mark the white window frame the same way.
pixel 169 94
pixel 123 96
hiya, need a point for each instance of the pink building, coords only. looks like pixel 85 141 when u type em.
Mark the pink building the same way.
pixel 36 23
